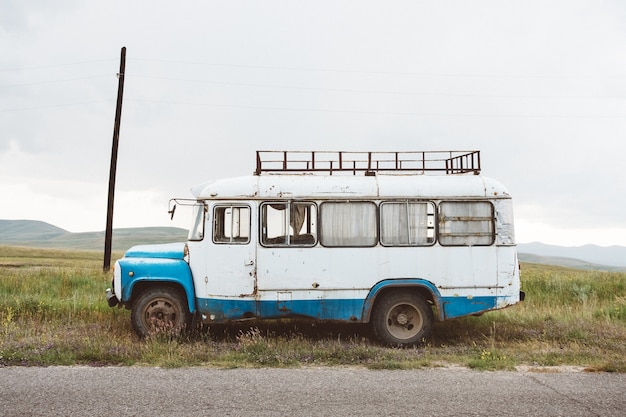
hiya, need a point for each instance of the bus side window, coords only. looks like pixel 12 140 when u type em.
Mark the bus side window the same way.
pixel 466 223
pixel 350 224
pixel 288 224
pixel 407 223
pixel 231 224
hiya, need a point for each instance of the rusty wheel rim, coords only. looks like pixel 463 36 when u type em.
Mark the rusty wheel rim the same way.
pixel 161 315
pixel 404 321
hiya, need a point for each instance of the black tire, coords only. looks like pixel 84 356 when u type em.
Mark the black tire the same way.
pixel 402 318
pixel 160 310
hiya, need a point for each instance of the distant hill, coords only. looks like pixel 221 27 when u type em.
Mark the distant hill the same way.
pixel 567 262
pixel 36 233
pixel 28 230
pixel 585 257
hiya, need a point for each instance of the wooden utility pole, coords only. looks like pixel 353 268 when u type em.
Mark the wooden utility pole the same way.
pixel 108 237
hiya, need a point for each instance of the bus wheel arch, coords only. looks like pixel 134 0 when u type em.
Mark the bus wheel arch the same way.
pixel 402 316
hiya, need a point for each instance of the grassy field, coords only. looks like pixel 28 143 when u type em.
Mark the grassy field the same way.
pixel 53 312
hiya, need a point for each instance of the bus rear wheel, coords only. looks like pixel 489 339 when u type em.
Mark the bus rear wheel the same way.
pixel 402 319
pixel 160 310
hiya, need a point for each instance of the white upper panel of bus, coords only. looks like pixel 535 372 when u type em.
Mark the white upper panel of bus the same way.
pixel 378 186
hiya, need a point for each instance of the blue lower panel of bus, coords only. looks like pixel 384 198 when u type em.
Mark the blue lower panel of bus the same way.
pixel 219 310
pixel 465 306
pixel 327 309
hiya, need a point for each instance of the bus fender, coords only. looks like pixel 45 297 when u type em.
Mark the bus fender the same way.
pixel 415 283
pixel 139 273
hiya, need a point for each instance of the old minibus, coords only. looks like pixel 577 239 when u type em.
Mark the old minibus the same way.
pixel 393 239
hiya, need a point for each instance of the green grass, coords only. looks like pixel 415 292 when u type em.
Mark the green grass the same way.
pixel 53 312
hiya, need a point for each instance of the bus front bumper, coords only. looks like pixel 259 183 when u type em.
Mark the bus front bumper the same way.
pixel 111 298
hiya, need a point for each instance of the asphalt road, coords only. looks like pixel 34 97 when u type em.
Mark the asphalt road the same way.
pixel 136 391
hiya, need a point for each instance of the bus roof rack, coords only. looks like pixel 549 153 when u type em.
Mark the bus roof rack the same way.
pixel 368 163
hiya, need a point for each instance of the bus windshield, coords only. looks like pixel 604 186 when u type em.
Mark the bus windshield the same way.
pixel 196 231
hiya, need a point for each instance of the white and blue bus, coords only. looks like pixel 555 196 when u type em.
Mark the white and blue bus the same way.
pixel 393 239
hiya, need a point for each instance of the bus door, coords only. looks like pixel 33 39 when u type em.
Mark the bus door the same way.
pixel 231 251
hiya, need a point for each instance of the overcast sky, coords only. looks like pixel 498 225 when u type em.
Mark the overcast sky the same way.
pixel 539 87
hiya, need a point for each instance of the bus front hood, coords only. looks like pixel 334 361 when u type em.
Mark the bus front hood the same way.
pixel 167 251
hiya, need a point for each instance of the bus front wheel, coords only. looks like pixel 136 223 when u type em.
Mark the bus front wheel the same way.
pixel 402 319
pixel 160 310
